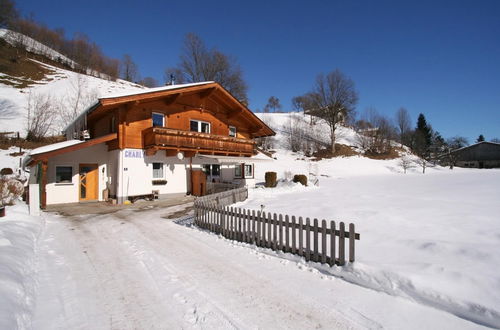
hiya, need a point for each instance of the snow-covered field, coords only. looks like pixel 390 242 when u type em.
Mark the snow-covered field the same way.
pixel 426 259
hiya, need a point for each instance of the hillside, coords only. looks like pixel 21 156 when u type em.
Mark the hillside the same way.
pixel 32 71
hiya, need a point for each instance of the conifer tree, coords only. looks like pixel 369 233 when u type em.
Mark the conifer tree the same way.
pixel 480 138
pixel 423 137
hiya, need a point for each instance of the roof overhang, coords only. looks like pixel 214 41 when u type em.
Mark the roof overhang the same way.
pixel 64 148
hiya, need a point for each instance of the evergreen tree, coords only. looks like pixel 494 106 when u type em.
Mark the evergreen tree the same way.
pixel 423 137
pixel 480 138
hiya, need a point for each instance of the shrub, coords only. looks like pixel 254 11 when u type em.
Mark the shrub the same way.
pixel 300 178
pixel 6 171
pixel 10 190
pixel 271 179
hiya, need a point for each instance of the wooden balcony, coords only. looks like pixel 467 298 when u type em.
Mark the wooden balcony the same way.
pixel 173 139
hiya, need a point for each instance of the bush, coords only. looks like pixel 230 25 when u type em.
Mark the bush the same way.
pixel 300 178
pixel 271 179
pixel 10 190
pixel 6 171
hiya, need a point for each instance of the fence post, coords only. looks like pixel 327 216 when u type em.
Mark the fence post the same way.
pixel 252 238
pixel 308 239
pixel 315 240
pixel 269 230
pixel 323 241
pixel 259 217
pixel 245 214
pixel 275 232
pixel 332 243
pixel 294 243
pixel 342 244
pixel 287 234
pixel 301 238
pixel 352 237
pixel 264 225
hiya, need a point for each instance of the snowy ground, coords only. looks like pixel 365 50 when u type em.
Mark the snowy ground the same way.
pixel 137 270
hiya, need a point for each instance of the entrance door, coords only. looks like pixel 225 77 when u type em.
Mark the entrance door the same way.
pixel 88 182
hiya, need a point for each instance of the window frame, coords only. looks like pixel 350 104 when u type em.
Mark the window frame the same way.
pixel 70 182
pixel 240 168
pixel 235 131
pixel 153 113
pixel 245 171
pixel 162 171
pixel 199 122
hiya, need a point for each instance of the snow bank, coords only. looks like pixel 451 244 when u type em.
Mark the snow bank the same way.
pixel 18 235
pixel 428 238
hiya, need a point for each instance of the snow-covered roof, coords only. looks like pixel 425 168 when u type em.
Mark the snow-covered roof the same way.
pixel 54 146
pixel 156 89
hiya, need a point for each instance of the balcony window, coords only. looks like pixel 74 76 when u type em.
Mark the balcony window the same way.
pixel 232 131
pixel 211 170
pixel 157 170
pixel 199 126
pixel 158 119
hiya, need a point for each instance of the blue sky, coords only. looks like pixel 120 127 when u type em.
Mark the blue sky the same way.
pixel 440 58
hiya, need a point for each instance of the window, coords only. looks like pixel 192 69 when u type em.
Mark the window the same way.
pixel 199 126
pixel 248 170
pixel 158 119
pixel 232 131
pixel 64 174
pixel 237 171
pixel 157 170
pixel 211 170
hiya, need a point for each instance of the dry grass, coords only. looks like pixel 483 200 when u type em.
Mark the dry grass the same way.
pixel 23 144
pixel 393 153
pixel 341 150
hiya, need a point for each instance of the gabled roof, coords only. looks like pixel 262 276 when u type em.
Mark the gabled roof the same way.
pixel 171 91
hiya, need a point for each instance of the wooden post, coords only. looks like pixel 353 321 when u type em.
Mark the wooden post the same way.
pixel 43 185
pixel 294 243
pixel 332 243
pixel 258 224
pixel 264 225
pixel 301 238
pixel 244 229
pixel 253 221
pixel 240 230
pixel 342 244
pixel 287 234
pixel 275 232
pixel 323 241
pixel 315 240
pixel 308 239
pixel 352 237
pixel 269 230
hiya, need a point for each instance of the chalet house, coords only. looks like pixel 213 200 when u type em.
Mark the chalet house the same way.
pixel 480 155
pixel 155 142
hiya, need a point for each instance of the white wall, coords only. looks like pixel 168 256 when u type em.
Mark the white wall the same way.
pixel 137 171
pixel 69 192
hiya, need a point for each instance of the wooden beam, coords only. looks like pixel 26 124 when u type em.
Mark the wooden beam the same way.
pixel 43 182
pixel 234 113
pixel 207 93
pixel 171 152
pixel 171 99
pixel 151 151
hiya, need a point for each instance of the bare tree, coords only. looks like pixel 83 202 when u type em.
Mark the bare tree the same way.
pixel 405 163
pixel 78 98
pixel 129 69
pixel 495 140
pixel 8 13
pixel 423 163
pixel 375 132
pixel 41 113
pixel 332 99
pixel 403 124
pixel 148 82
pixel 197 63
pixel 273 105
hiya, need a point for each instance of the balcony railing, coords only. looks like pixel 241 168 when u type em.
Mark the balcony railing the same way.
pixel 166 138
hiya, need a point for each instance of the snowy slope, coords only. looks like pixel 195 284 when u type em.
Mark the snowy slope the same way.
pixel 60 85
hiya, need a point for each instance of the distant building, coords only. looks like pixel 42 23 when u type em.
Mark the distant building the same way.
pixel 480 155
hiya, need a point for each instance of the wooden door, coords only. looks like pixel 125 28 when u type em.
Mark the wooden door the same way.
pixel 88 182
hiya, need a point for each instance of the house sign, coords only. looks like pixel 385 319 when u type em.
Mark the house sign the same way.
pixel 133 154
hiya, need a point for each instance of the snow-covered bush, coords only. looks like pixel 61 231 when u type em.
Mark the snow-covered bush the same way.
pixel 10 190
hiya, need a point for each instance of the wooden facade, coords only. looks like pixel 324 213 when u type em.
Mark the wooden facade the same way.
pixel 131 118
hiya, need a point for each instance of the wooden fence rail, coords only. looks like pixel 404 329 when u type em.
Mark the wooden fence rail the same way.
pixel 316 241
pixel 224 198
